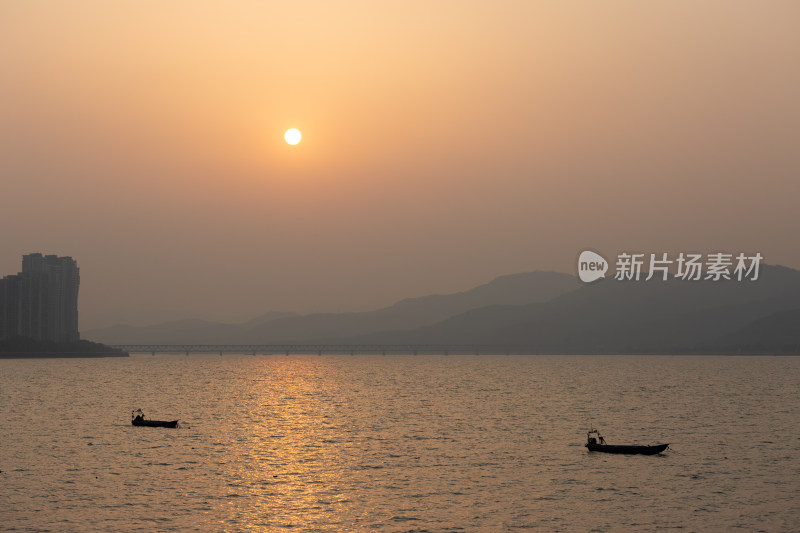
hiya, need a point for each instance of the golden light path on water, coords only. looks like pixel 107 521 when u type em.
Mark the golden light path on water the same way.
pixel 286 456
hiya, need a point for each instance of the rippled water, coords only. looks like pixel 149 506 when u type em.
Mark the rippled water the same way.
pixel 398 443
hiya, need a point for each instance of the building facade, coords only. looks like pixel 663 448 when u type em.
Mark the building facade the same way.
pixel 41 302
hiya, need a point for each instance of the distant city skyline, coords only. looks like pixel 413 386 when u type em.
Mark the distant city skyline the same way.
pixel 41 301
pixel 443 144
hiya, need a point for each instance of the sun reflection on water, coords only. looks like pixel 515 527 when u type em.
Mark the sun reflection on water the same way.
pixel 288 454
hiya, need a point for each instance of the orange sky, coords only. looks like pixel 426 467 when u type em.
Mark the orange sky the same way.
pixel 444 143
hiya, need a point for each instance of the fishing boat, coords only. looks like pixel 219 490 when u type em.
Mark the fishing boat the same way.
pixel 138 419
pixel 596 443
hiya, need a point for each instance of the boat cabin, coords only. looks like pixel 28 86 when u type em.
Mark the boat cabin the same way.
pixel 593 437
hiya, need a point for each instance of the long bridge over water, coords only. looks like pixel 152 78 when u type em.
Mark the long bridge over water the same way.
pixel 320 349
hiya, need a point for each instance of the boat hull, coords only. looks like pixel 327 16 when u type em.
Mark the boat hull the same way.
pixel 613 448
pixel 155 423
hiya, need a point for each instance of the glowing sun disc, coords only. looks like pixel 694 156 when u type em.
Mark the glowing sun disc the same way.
pixel 292 136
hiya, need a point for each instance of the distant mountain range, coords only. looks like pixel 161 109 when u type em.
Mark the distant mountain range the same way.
pixel 547 312
pixel 656 316
pixel 277 327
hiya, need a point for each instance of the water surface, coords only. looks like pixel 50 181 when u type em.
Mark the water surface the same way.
pixel 399 443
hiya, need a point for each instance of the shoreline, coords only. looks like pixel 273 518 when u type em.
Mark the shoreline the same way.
pixel 60 355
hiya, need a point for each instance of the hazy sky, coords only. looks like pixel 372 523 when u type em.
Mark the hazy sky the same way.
pixel 444 144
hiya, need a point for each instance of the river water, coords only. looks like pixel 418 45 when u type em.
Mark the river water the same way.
pixel 399 443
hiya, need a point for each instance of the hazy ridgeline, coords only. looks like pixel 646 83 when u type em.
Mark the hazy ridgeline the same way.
pixel 547 312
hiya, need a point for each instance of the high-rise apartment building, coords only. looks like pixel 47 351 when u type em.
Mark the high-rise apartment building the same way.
pixel 41 302
pixel 9 306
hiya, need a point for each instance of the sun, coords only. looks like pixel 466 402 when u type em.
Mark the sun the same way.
pixel 292 136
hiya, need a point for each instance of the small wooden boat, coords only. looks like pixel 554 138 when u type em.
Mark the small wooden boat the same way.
pixel 596 443
pixel 138 419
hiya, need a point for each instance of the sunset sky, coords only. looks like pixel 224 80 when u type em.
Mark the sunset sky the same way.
pixel 444 144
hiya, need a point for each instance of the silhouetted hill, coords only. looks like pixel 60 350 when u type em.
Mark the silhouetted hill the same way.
pixel 628 316
pixel 406 314
pixel 527 287
pixel 778 332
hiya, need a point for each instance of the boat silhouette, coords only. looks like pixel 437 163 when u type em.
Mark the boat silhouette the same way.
pixel 596 443
pixel 138 419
